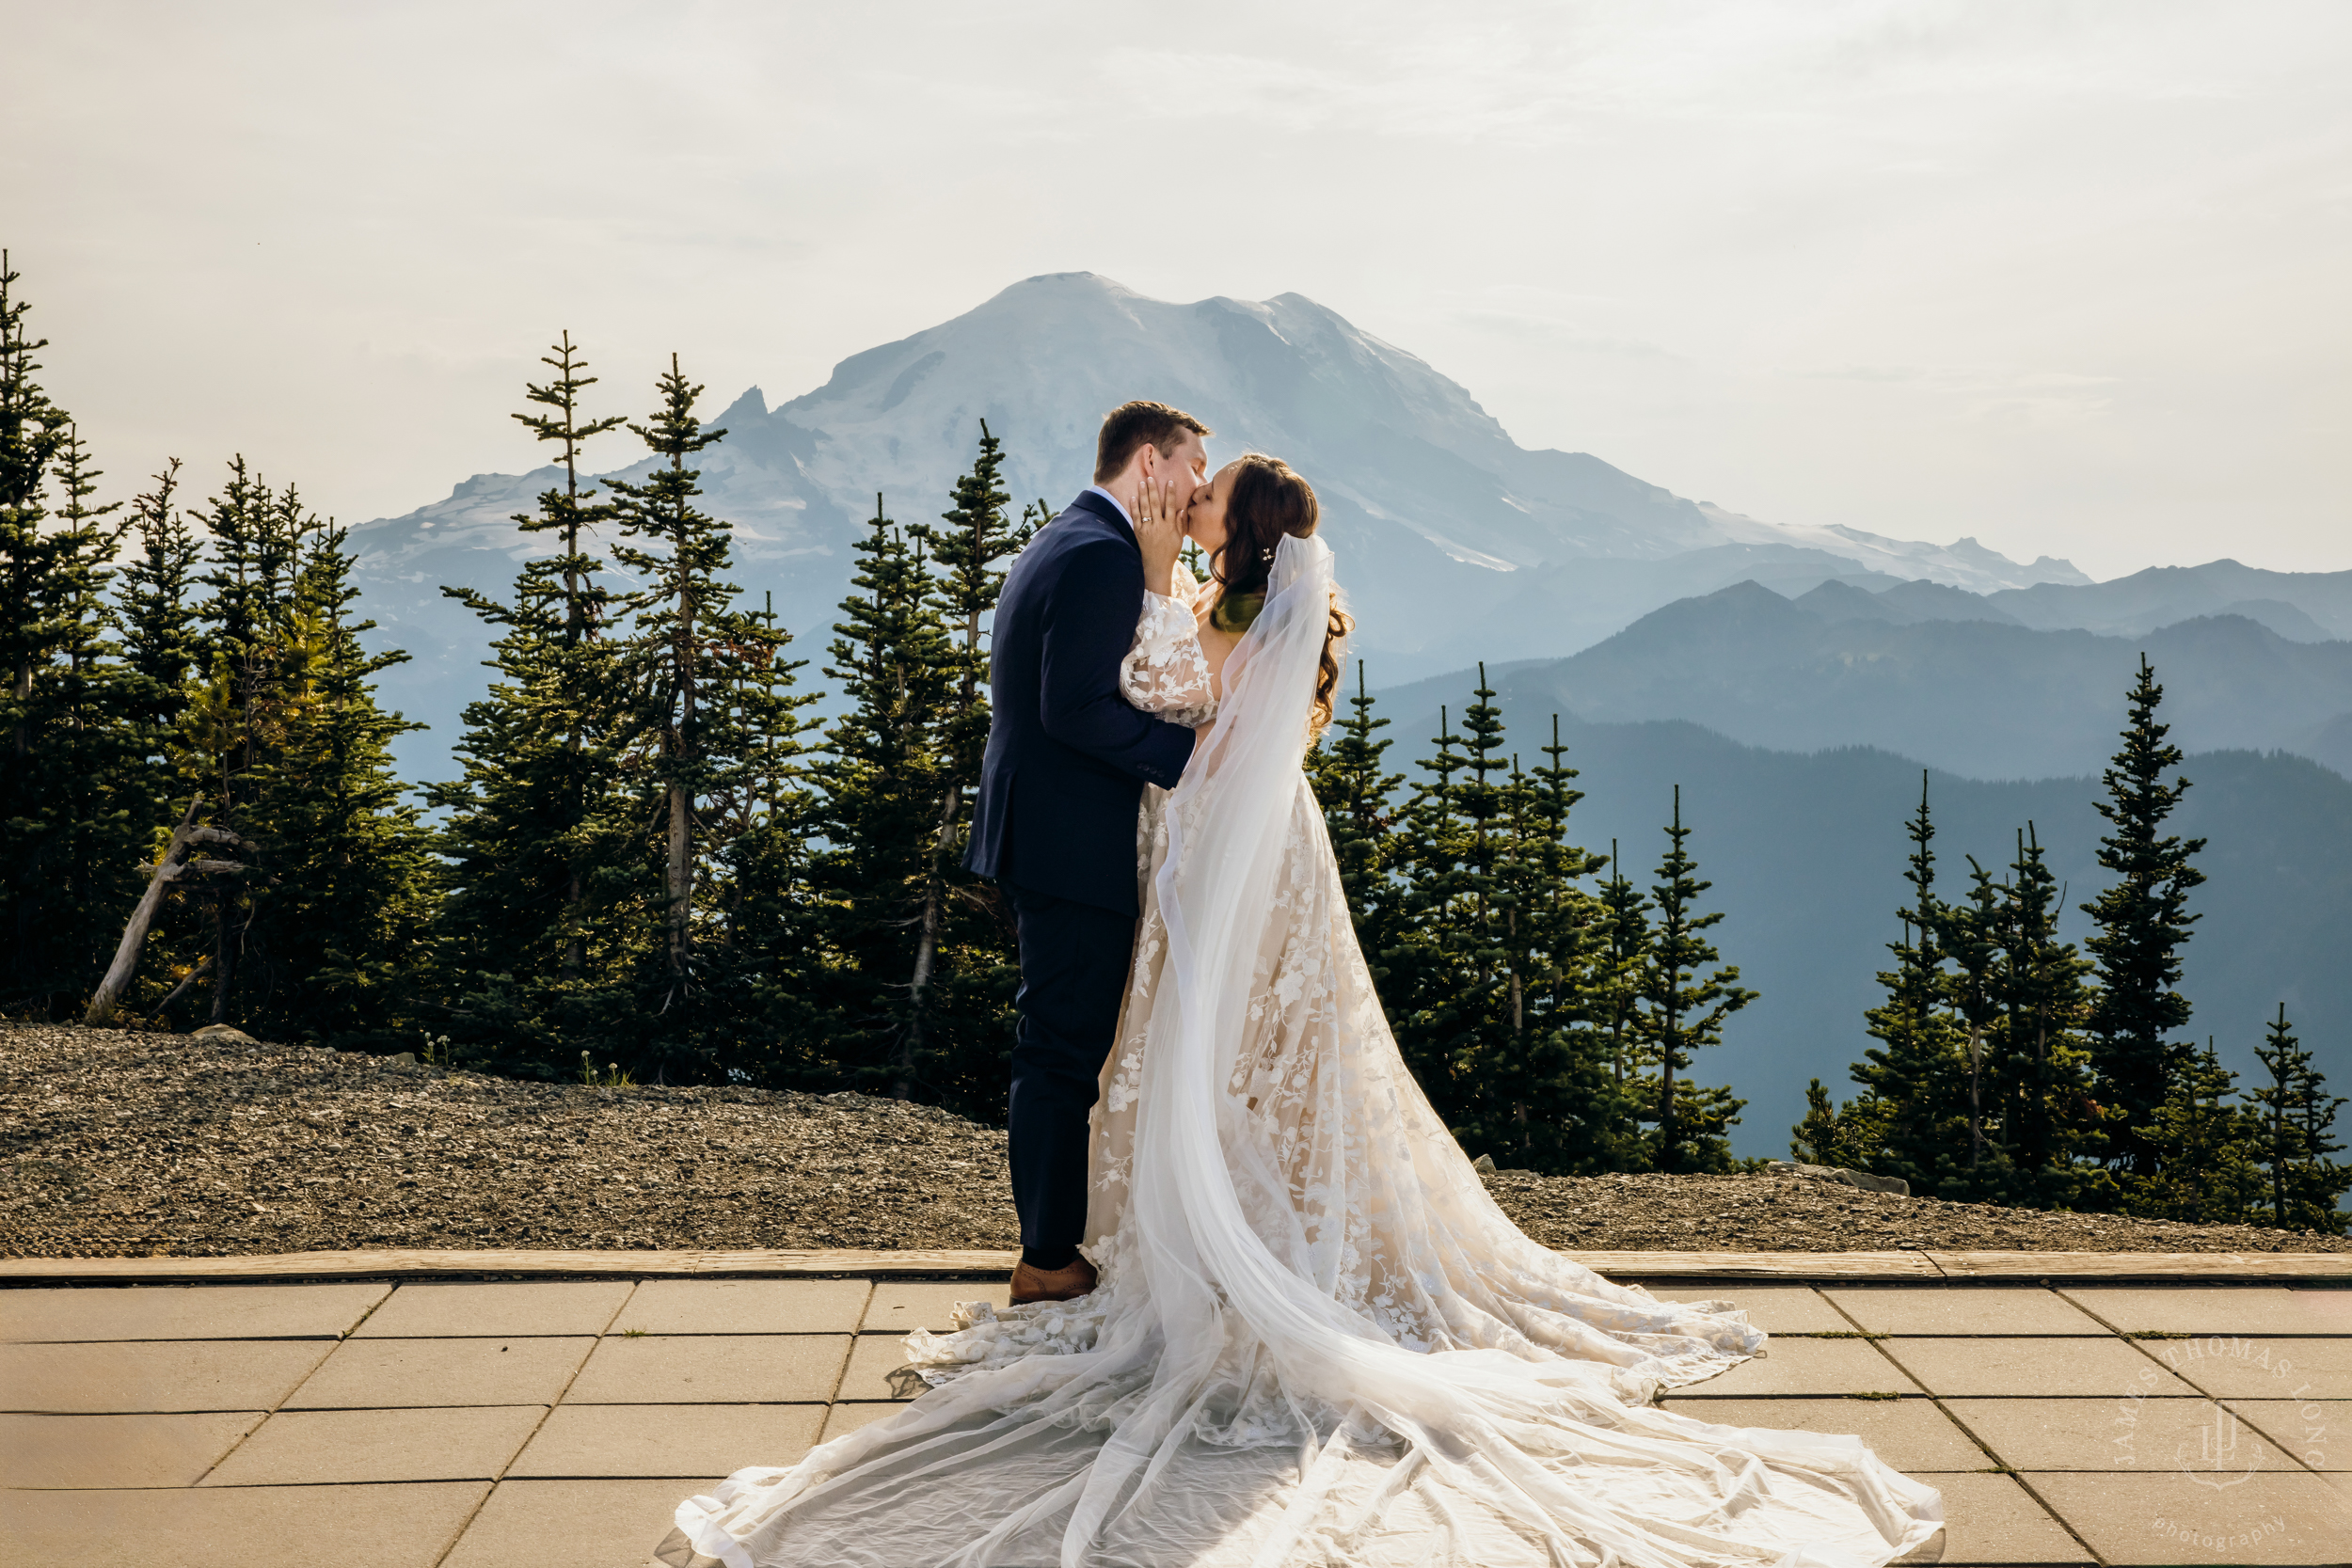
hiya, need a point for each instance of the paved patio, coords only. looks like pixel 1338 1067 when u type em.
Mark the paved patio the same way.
pixel 401 1421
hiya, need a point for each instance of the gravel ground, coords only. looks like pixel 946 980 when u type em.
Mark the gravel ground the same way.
pixel 124 1144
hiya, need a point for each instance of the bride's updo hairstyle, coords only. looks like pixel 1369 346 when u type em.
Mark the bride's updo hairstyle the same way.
pixel 1270 500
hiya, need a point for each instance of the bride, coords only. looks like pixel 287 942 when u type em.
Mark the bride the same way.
pixel 1316 1339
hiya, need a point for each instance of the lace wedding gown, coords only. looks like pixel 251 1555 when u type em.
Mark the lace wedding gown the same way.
pixel 1317 1340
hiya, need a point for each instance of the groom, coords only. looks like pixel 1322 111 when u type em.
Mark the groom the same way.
pixel 1056 821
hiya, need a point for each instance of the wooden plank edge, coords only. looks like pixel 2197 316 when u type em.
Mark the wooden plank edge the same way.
pixel 1845 1266
pixel 2145 1265
pixel 1761 1265
pixel 406 1263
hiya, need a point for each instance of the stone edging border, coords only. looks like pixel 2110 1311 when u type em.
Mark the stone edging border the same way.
pixel 1921 1265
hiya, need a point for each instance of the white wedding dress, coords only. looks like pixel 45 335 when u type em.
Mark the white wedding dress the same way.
pixel 1316 1340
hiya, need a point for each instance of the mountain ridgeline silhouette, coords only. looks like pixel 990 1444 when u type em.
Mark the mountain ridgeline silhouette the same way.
pixel 1791 678
pixel 1456 543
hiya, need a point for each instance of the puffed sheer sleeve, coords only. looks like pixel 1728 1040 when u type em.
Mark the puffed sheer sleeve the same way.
pixel 1164 672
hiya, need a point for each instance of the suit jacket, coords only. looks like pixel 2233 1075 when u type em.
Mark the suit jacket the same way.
pixel 1067 756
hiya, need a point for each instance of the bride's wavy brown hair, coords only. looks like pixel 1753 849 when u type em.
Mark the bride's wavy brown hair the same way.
pixel 1269 500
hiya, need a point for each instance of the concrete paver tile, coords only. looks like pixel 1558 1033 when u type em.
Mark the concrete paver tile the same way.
pixel 2228 1367
pixel 1996 1368
pixel 747 1369
pixel 379 1374
pixel 1817 1367
pixel 2118 1435
pixel 877 1370
pixel 1773 1308
pixel 184 1312
pixel 503 1309
pixel 746 1307
pixel 118 1451
pixel 687 1441
pixel 2216 1308
pixel 572 1524
pixel 845 1418
pixel 1991 1519
pixel 267 1526
pixel 1961 1309
pixel 308 1448
pixel 155 1376
pixel 1907 1433
pixel 2270 1518
pixel 903 1306
pixel 2317 1432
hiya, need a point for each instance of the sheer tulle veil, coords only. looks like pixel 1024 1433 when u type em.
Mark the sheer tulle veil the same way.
pixel 1317 1340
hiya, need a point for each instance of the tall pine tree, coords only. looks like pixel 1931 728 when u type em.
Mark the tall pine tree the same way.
pixel 546 931
pixel 1356 792
pixel 1918 1072
pixel 2294 1121
pixel 2203 1169
pixel 957 1028
pixel 2143 922
pixel 1683 1005
pixel 885 778
pixel 343 923
pixel 2040 1072
pixel 709 701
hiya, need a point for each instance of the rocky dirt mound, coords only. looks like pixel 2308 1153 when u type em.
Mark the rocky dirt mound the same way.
pixel 120 1144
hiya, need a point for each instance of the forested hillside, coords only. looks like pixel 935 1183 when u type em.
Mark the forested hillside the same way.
pixel 653 859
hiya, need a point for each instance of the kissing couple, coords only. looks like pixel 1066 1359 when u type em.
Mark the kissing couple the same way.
pixel 1266 1314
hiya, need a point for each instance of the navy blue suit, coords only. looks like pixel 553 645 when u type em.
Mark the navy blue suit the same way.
pixel 1054 825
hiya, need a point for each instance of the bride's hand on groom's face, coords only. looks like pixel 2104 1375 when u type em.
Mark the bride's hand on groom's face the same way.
pixel 1160 529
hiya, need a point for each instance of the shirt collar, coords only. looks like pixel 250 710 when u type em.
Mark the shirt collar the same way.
pixel 1115 501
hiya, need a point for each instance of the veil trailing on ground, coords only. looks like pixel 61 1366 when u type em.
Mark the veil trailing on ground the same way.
pixel 1316 1339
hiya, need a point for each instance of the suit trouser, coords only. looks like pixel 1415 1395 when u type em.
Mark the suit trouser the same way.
pixel 1074 973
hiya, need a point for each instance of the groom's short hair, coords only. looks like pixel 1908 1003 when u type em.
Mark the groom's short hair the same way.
pixel 1133 424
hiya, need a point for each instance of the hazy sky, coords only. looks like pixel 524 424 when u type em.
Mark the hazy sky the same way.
pixel 2072 279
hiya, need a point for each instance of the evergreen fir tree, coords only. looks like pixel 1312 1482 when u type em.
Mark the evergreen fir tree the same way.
pixel 2203 1170
pixel 2042 1078
pixel 956 1031
pixel 1355 791
pixel 2294 1121
pixel 569 511
pixel 1847 1136
pixel 1559 1106
pixel 38 591
pixel 580 677
pixel 1683 1009
pixel 342 926
pixel 1623 955
pixel 1918 1072
pixel 676 609
pixel 2143 922
pixel 1972 933
pixel 1489 953
pixel 1426 985
pixel 1463 1021
pixel 774 940
pixel 32 430
pixel 157 615
pixel 711 727
pixel 882 782
pixel 548 923
pixel 75 822
pixel 233 721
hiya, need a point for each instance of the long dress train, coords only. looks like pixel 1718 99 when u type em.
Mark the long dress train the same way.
pixel 1317 1340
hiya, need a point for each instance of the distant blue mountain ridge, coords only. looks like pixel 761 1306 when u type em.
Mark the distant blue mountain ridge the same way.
pixel 1792 678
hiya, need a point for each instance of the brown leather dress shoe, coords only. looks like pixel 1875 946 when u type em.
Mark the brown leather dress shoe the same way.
pixel 1063 1283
